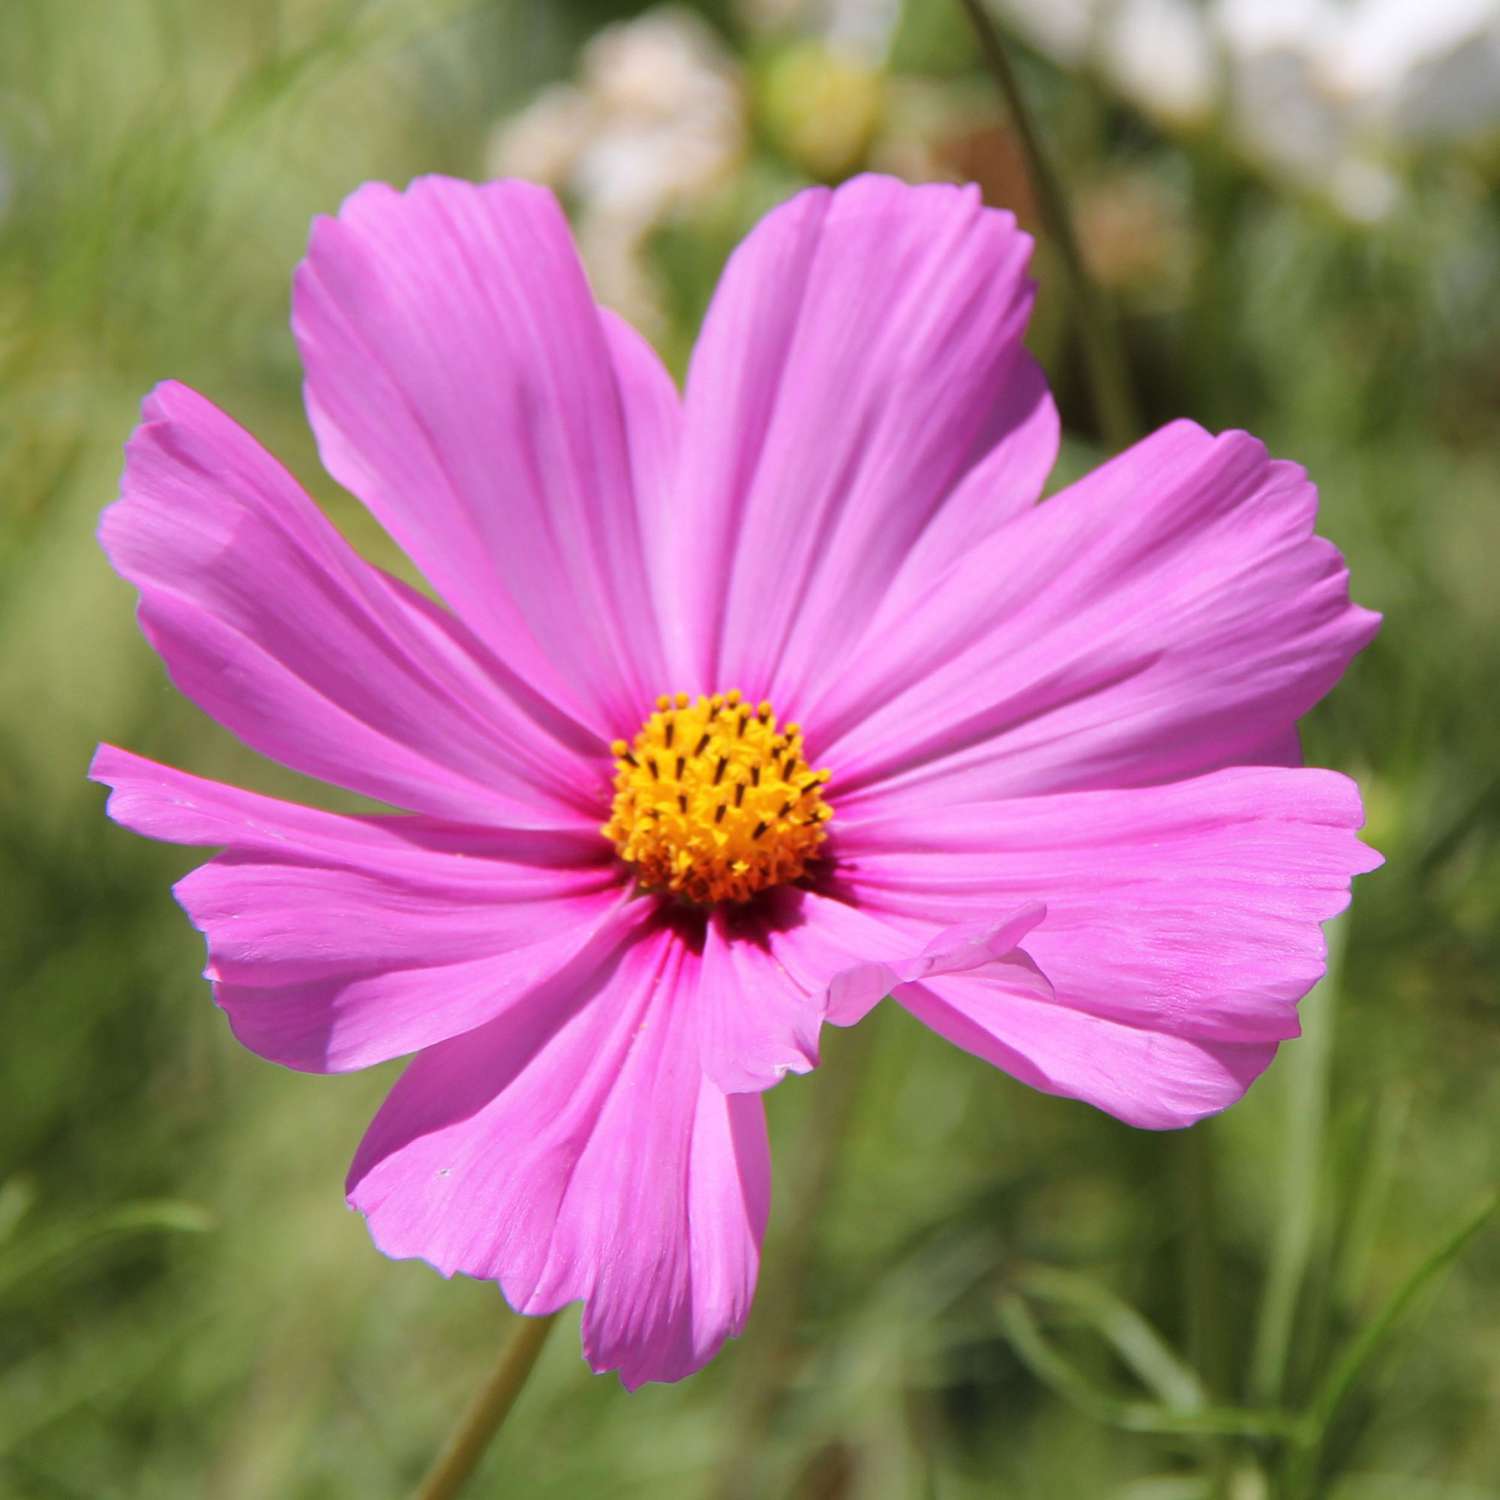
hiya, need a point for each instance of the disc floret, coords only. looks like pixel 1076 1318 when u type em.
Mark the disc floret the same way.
pixel 714 801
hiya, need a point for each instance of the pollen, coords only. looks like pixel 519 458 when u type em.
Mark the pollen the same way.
pixel 714 801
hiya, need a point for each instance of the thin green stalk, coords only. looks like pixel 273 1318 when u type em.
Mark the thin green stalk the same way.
pixel 769 1357
pixel 1302 1470
pixel 478 1426
pixel 1211 349
pixel 1104 1405
pixel 56 1251
pixel 1130 1335
pixel 1391 1111
pixel 1305 1080
pixel 1103 351
pixel 1203 1283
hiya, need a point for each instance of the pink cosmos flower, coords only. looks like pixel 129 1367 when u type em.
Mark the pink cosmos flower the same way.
pixel 1041 782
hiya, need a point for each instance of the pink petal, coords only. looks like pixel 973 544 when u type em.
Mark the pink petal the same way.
pixel 1003 484
pixel 773 973
pixel 307 986
pixel 818 938
pixel 164 803
pixel 578 1152
pixel 1171 614
pixel 1283 749
pixel 653 416
pixel 462 384
pixel 861 357
pixel 1191 909
pixel 755 1026
pixel 986 947
pixel 269 622
pixel 338 942
pixel 1145 1078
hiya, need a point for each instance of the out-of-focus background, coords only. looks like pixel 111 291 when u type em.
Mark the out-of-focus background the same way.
pixel 1294 207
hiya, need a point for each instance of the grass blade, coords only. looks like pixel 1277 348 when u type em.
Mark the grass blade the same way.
pixel 1341 1379
pixel 1305 1081
pixel 1125 1330
pixel 1061 1376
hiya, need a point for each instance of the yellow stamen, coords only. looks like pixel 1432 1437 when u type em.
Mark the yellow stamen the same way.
pixel 713 802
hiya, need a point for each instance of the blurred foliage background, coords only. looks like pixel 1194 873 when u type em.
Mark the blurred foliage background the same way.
pixel 969 1289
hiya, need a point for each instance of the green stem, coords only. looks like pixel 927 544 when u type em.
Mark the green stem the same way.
pixel 1131 1336
pixel 1053 1370
pixel 1102 350
pixel 1390 1111
pixel 1217 285
pixel 1302 1473
pixel 1203 1283
pixel 770 1355
pixel 478 1426
pixel 1305 1081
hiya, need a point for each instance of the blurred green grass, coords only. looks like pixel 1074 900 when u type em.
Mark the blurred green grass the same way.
pixel 162 161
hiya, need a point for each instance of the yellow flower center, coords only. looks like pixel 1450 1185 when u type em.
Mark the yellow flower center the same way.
pixel 713 802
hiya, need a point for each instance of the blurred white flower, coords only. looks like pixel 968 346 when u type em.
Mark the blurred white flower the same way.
pixel 821 77
pixel 654 124
pixel 1062 29
pixel 1332 93
pixel 1365 50
pixel 861 30
pixel 1325 93
pixel 1160 51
